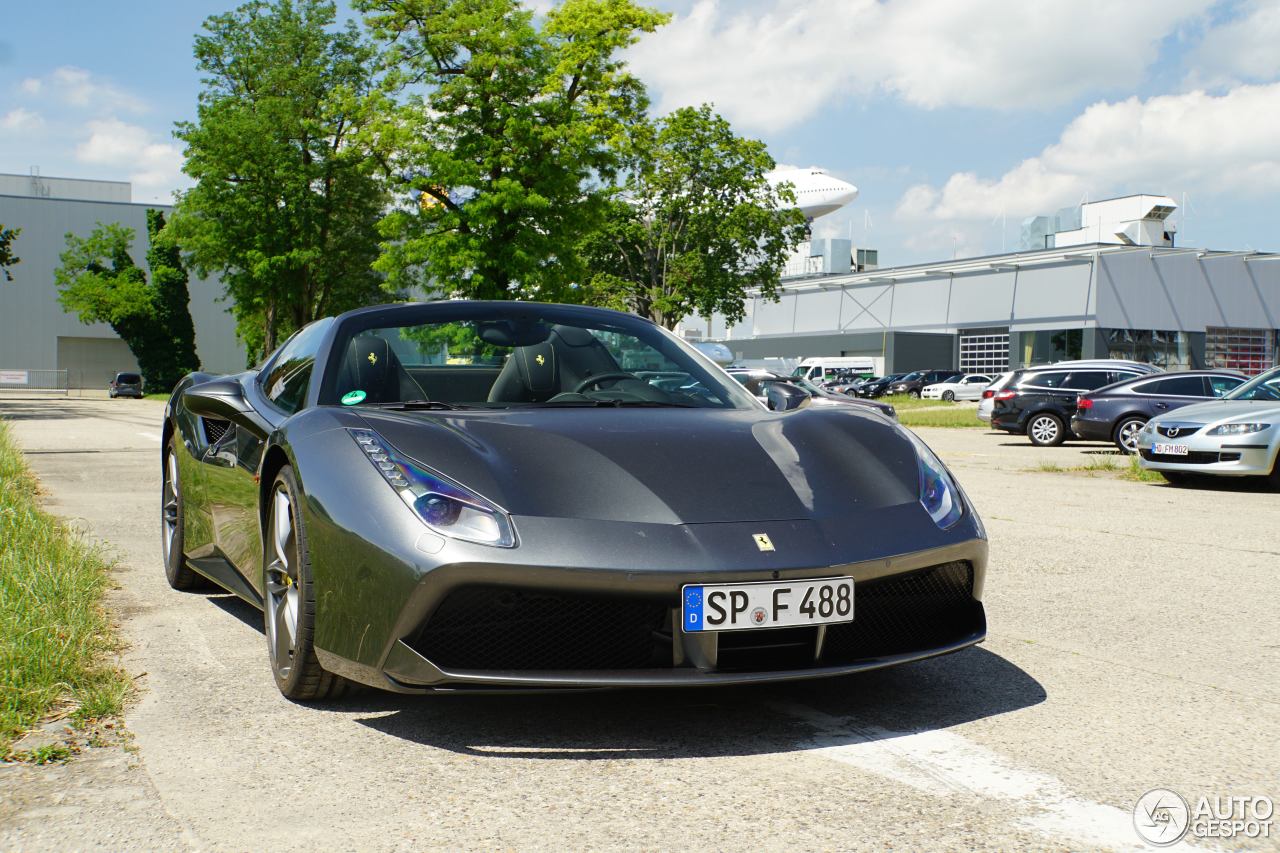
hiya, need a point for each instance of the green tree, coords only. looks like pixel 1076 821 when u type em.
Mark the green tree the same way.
pixel 7 257
pixel 285 207
pixel 502 130
pixel 100 283
pixel 694 226
pixel 171 298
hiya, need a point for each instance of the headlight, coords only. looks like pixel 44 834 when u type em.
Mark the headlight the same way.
pixel 1237 429
pixel 443 505
pixel 938 493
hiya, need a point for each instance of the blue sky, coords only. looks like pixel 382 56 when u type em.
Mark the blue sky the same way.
pixel 954 119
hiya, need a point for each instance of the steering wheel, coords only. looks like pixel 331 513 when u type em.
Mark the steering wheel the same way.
pixel 592 381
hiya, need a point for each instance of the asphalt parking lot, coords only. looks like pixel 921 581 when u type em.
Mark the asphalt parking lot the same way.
pixel 1134 644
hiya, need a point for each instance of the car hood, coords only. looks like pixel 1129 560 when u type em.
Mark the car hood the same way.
pixel 1214 411
pixel 666 466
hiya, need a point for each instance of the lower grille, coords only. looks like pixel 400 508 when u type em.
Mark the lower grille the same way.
pixel 504 628
pixel 907 613
pixel 1195 457
pixel 493 627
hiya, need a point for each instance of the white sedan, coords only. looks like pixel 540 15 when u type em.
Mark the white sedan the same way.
pixel 967 387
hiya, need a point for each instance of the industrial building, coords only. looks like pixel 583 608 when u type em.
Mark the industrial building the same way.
pixel 1108 284
pixel 35 333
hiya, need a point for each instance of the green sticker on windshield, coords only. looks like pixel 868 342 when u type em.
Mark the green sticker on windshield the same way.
pixel 351 398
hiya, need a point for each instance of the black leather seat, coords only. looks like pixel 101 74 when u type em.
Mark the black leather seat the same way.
pixel 538 372
pixel 370 365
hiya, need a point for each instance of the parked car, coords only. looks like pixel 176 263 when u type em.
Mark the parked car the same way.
pixel 758 381
pixel 125 385
pixel 542 518
pixel 987 402
pixel 1235 436
pixel 913 383
pixel 878 387
pixel 849 387
pixel 1118 412
pixel 966 387
pixel 1038 402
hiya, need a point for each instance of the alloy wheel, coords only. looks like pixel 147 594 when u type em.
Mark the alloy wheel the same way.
pixel 1044 430
pixel 169 508
pixel 1127 435
pixel 282 584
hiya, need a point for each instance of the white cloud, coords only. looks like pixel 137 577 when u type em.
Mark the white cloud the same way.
pixel 1213 143
pixel 154 168
pixel 1246 48
pixel 19 119
pixel 79 88
pixel 774 63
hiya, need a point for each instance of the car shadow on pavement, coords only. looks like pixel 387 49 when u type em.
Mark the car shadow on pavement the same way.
pixel 710 721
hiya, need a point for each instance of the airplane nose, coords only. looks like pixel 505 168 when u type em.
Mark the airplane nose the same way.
pixel 846 192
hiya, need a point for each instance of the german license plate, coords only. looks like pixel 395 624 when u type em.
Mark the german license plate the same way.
pixel 780 604
pixel 1170 449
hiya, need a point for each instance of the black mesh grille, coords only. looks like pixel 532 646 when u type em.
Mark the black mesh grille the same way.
pixel 1195 457
pixel 215 429
pixel 488 627
pixel 908 613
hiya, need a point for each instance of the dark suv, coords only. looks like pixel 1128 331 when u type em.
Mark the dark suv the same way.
pixel 125 385
pixel 1118 412
pixel 913 383
pixel 1039 401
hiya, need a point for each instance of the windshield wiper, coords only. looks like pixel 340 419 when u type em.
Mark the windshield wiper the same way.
pixel 417 404
pixel 619 404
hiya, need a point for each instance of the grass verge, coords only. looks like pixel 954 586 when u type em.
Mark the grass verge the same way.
pixel 55 639
pixel 1126 470
pixel 934 413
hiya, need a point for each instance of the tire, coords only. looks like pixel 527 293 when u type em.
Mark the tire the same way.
pixel 949 396
pixel 1273 479
pixel 1125 435
pixel 1177 478
pixel 914 395
pixel 289 600
pixel 172 514
pixel 1046 430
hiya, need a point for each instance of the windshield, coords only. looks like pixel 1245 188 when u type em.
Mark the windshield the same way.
pixel 912 377
pixel 129 378
pixel 1264 386
pixel 476 355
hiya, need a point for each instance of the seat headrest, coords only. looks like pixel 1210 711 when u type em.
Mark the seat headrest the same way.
pixel 538 369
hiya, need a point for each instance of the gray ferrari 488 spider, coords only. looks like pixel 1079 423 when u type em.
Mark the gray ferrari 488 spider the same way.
pixel 475 495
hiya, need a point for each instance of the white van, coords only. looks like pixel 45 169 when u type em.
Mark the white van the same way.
pixel 822 369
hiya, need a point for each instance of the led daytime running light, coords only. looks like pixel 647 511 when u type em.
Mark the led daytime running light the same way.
pixel 442 505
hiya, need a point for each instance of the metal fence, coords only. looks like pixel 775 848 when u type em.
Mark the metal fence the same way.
pixel 43 381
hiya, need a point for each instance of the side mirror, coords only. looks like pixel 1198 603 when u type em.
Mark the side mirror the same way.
pixel 224 399
pixel 783 396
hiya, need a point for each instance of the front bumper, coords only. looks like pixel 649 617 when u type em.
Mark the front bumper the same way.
pixel 1224 456
pixel 515 635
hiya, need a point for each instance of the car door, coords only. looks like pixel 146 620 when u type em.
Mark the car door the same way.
pixel 1221 385
pixel 231 464
pixel 1081 382
pixel 1174 392
pixel 970 387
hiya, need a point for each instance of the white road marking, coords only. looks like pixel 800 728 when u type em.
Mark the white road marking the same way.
pixel 151 436
pixel 944 764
